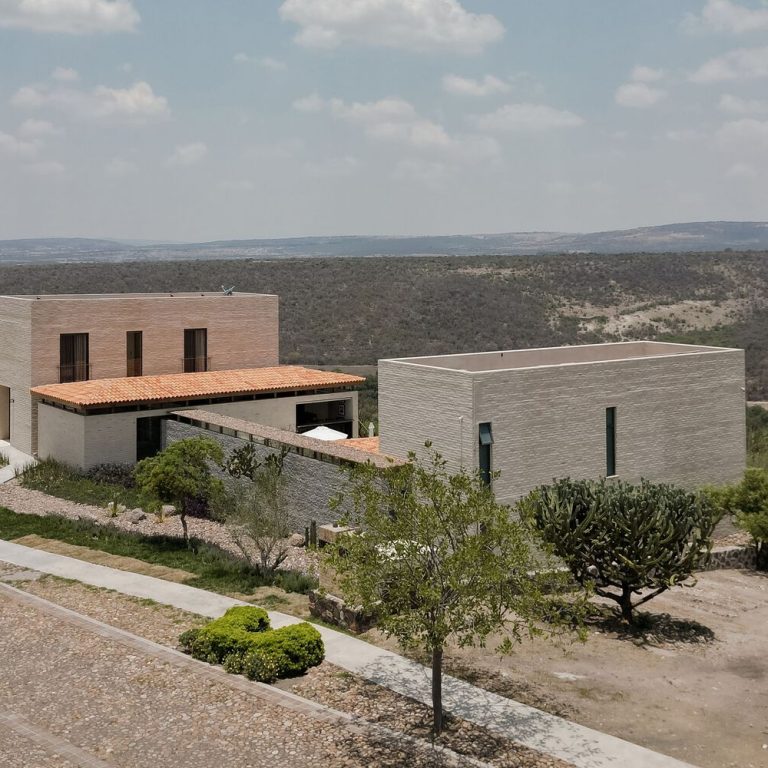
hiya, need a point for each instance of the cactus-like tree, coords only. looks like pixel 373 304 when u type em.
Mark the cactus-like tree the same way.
pixel 628 542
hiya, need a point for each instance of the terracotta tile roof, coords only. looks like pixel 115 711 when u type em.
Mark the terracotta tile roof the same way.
pixel 367 444
pixel 189 386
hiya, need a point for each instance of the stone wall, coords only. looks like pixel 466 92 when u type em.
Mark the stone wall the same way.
pixel 310 482
pixel 723 558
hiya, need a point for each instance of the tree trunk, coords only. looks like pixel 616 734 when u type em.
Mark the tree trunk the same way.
pixel 437 690
pixel 183 516
pixel 625 601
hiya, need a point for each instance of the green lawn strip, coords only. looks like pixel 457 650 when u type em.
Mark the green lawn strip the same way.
pixel 215 569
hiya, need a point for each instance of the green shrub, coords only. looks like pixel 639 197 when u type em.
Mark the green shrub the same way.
pixel 260 666
pixel 621 538
pixel 747 501
pixel 242 641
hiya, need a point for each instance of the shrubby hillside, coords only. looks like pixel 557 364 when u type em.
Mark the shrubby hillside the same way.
pixel 347 311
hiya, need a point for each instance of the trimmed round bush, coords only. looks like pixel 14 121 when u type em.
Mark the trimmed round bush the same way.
pixel 242 641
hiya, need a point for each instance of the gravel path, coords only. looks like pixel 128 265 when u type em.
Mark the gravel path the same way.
pixel 126 708
pixel 341 690
pixel 29 502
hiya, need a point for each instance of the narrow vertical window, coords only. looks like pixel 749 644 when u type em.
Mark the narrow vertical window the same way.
pixel 73 357
pixel 486 441
pixel 195 350
pixel 134 349
pixel 610 441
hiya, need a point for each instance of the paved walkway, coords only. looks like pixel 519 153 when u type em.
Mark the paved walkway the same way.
pixel 17 461
pixel 581 746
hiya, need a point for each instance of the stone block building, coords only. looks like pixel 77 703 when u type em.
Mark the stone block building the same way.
pixel 665 412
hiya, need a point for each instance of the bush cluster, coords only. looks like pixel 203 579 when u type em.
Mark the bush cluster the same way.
pixel 243 642
pixel 112 474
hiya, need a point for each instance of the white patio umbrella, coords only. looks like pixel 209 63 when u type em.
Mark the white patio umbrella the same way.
pixel 325 433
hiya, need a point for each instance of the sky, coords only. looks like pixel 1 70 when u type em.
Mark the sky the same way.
pixel 195 120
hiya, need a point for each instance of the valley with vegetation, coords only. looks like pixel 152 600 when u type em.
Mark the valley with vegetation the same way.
pixel 354 311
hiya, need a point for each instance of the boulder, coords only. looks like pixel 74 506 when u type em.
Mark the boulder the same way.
pixel 296 540
pixel 167 510
pixel 135 516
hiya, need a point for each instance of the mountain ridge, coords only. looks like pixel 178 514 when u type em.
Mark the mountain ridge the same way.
pixel 688 237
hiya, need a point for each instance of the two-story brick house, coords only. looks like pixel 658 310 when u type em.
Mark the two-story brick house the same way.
pixel 87 378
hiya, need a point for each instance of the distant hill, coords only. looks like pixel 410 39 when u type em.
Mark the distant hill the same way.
pixel 670 238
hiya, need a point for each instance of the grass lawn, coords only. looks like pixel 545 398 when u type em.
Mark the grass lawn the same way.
pixel 214 568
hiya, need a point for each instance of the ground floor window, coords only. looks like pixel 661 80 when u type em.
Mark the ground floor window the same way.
pixel 336 414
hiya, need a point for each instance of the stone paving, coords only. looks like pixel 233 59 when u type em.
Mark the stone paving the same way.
pixel 84 694
pixel 583 747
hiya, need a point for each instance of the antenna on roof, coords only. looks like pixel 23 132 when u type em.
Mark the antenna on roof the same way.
pixel 228 291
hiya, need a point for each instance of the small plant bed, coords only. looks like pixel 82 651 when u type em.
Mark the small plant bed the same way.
pixel 243 642
pixel 104 485
pixel 213 568
pixel 342 690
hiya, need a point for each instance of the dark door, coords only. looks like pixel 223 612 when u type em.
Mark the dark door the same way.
pixel 149 437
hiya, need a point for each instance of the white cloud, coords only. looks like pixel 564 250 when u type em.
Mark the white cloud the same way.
pixel 638 95
pixel 741 171
pixel 119 168
pixel 65 74
pixel 391 109
pixel 16 147
pixel 36 128
pixel 75 17
pixel 727 16
pixel 527 117
pixel 741 64
pixel 735 105
pixel 420 25
pixel 743 135
pixel 45 168
pixel 311 103
pixel 267 62
pixel 642 74
pixel 466 86
pixel 396 121
pixel 188 154
pixel 138 103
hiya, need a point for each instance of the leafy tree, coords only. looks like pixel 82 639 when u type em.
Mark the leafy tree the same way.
pixel 252 506
pixel 439 559
pixel 622 538
pixel 747 501
pixel 181 474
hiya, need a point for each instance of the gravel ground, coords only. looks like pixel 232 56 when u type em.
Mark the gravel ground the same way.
pixel 153 621
pixel 342 690
pixel 326 684
pixel 29 502
pixel 130 708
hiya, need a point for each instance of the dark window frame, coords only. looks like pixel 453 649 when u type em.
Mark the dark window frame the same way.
pixel 610 441
pixel 195 350
pixel 134 363
pixel 485 458
pixel 74 357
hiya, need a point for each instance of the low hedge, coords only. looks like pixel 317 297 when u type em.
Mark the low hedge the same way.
pixel 242 641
